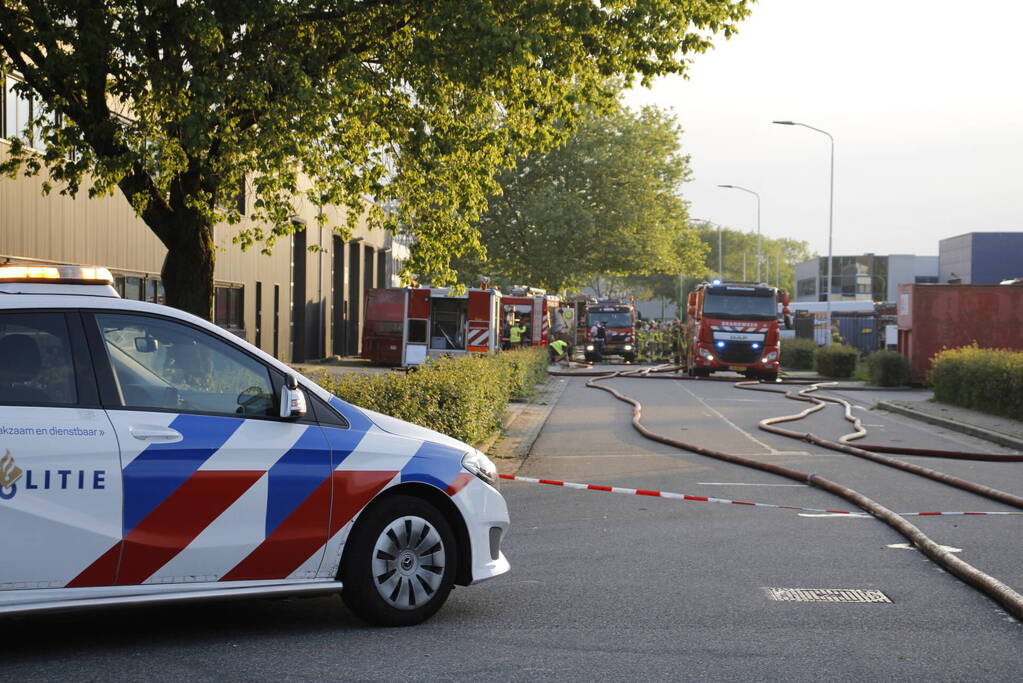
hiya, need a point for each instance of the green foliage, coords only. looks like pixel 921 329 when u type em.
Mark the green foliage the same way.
pixel 780 256
pixel 605 203
pixel 525 369
pixel 887 369
pixel 797 354
pixel 990 380
pixel 462 397
pixel 836 360
pixel 415 104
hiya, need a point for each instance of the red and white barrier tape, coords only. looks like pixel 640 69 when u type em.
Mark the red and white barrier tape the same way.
pixel 705 499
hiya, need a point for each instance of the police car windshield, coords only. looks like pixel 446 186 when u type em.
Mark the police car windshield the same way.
pixel 735 304
pixel 621 318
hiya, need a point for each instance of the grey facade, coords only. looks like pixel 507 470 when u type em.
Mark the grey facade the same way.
pixel 981 258
pixel 867 277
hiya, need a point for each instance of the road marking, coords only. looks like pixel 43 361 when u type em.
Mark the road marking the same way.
pixel 854 515
pixel 731 424
pixel 909 546
pixel 737 483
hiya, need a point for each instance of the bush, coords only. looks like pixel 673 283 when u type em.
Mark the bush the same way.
pixel 797 354
pixel 836 360
pixel 990 380
pixel 526 368
pixel 462 397
pixel 887 369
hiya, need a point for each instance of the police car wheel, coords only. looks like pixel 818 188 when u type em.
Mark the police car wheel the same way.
pixel 399 562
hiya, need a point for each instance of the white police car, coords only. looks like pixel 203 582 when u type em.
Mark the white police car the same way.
pixel 147 455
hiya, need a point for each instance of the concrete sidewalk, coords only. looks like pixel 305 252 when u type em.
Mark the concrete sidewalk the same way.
pixel 522 424
pixel 1001 430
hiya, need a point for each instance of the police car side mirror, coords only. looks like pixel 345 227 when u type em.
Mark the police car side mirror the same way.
pixel 292 399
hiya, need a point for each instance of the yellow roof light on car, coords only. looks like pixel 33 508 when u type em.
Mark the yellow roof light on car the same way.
pixel 68 275
pixel 53 279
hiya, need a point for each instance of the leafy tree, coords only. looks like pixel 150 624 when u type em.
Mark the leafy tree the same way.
pixel 738 248
pixel 176 103
pixel 605 204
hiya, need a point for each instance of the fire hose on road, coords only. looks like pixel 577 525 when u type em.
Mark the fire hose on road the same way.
pixel 1003 594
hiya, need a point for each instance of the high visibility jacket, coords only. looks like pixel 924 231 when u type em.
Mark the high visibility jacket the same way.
pixel 559 346
pixel 515 333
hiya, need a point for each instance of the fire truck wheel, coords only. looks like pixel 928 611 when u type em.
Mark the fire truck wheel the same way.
pixel 593 357
pixel 769 376
pixel 629 357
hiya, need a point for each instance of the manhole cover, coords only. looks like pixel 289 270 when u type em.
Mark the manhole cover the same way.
pixel 826 595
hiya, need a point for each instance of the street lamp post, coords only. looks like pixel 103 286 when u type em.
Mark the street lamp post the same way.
pixel 736 187
pixel 721 272
pixel 831 208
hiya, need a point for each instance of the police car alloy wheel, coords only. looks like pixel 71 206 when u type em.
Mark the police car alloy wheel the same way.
pixel 399 562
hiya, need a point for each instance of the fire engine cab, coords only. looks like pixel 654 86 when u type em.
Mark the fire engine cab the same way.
pixel 536 310
pixel 735 326
pixel 406 326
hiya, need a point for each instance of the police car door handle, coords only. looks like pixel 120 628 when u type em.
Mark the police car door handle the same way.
pixel 155 433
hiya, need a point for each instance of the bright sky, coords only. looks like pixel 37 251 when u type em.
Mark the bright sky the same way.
pixel 923 97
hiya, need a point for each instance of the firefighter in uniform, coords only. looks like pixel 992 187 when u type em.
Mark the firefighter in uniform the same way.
pixel 515 333
pixel 558 350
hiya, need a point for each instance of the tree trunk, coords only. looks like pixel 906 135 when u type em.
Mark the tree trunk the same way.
pixel 188 269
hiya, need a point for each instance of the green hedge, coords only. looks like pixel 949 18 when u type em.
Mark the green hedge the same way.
pixel 797 354
pixel 462 397
pixel 887 369
pixel 836 360
pixel 990 380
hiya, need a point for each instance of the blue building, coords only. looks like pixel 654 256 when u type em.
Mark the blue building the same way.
pixel 980 258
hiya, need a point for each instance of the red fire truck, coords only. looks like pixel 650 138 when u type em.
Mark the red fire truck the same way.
pixel 734 326
pixel 618 318
pixel 536 310
pixel 406 326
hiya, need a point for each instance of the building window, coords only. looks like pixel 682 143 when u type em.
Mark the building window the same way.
pixel 806 287
pixel 926 279
pixel 132 288
pixel 229 306
pixel 17 113
pixel 154 291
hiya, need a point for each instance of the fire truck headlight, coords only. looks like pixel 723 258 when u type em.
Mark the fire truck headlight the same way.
pixel 720 345
pixel 771 355
pixel 627 347
pixel 704 353
pixel 481 466
pixel 755 345
pixel 589 347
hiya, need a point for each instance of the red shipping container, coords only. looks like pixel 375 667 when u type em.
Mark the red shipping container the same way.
pixel 936 317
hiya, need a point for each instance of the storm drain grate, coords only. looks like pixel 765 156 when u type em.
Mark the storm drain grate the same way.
pixel 826 595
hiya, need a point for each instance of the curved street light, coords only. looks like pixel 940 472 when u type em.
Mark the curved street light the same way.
pixel 721 273
pixel 744 189
pixel 831 205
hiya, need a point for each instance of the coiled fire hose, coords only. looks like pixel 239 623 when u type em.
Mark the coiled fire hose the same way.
pixel 1001 593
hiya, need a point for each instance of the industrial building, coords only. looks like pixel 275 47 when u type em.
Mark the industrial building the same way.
pixel 868 277
pixel 980 258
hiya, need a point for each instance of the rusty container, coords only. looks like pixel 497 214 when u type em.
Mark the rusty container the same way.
pixel 933 317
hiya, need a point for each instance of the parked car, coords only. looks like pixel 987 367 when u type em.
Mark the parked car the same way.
pixel 147 455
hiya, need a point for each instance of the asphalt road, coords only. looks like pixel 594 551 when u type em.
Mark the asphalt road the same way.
pixel 614 587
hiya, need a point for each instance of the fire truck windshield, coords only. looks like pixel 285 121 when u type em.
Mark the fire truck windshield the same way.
pixel 620 317
pixel 734 304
